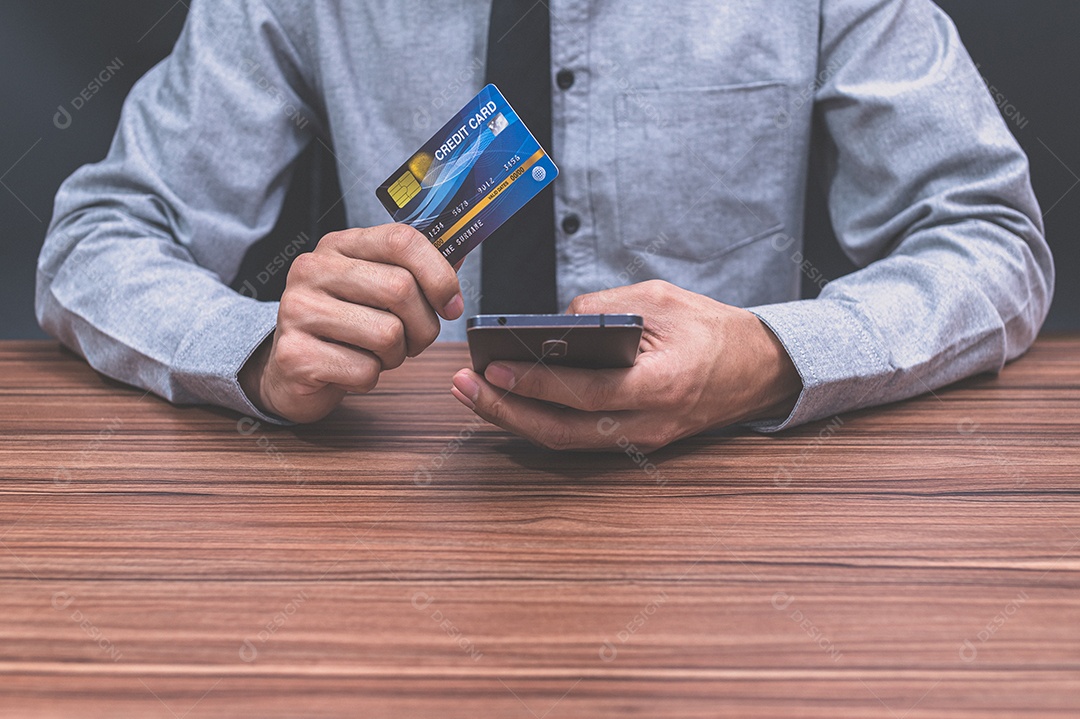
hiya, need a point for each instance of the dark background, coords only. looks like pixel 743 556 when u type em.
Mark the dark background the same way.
pixel 51 50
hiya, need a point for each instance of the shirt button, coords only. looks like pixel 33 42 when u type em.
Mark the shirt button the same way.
pixel 571 224
pixel 564 79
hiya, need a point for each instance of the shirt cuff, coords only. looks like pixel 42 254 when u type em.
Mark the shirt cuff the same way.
pixel 837 353
pixel 208 361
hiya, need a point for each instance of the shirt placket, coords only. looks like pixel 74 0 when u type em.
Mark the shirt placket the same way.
pixel 574 222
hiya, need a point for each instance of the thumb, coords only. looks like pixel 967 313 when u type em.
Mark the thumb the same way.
pixel 608 301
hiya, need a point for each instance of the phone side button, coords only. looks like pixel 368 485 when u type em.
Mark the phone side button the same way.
pixel 554 349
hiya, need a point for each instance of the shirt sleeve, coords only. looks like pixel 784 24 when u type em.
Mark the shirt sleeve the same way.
pixel 930 196
pixel 134 268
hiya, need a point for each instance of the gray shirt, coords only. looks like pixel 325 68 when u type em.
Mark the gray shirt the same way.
pixel 684 145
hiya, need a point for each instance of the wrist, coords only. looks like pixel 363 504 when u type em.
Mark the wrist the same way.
pixel 251 374
pixel 780 384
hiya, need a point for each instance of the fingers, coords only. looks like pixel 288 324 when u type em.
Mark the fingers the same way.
pixel 651 299
pixel 360 303
pixel 560 428
pixel 405 247
pixel 589 390
pixel 380 333
pixel 540 423
pixel 612 300
pixel 304 377
pixel 307 362
pixel 378 286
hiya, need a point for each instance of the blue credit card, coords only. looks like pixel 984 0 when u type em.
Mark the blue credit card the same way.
pixel 470 177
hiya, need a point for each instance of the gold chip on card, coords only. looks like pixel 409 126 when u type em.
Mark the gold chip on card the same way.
pixel 404 189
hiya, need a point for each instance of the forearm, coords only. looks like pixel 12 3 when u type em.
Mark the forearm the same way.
pixel 134 270
pixel 930 195
pixel 956 301
pixel 170 327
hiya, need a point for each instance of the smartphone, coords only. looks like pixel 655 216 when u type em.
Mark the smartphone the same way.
pixel 591 341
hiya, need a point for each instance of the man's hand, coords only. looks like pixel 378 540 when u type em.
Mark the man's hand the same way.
pixel 702 364
pixel 360 303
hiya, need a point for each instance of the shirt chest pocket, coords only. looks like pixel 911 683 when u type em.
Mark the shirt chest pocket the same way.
pixel 700 172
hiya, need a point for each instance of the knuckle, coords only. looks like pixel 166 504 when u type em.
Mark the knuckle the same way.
pixel 660 288
pixel 581 304
pixel 304 268
pixel 440 281
pixel 331 242
pixel 293 355
pixel 652 287
pixel 496 411
pixel 400 287
pixel 400 238
pixel 286 313
pixel 386 334
pixel 296 307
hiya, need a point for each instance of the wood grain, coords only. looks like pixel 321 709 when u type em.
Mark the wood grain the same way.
pixel 401 559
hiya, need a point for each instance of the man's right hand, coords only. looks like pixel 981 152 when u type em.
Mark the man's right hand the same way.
pixel 360 303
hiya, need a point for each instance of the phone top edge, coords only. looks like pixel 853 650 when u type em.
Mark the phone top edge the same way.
pixel 554 320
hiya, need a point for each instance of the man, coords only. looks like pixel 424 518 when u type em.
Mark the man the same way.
pixel 683 134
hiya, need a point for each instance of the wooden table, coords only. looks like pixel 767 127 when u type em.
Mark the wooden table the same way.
pixel 403 560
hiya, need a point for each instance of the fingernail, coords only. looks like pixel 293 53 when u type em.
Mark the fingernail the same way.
pixel 454 307
pixel 468 388
pixel 499 375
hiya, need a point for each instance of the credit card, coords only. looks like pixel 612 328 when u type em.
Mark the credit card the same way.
pixel 470 177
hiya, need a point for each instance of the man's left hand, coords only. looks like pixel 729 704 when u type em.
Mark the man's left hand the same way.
pixel 702 364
